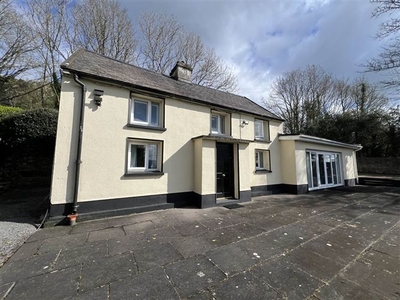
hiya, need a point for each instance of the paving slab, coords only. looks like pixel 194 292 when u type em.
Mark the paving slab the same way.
pixel 66 241
pixel 232 258
pixel 314 264
pixel 376 280
pixel 194 274
pixel 139 227
pixel 81 254
pixel 341 288
pixel 47 286
pixel 194 228
pixel 101 293
pixel 272 222
pixel 153 284
pixel 88 226
pixel 156 256
pixel 193 245
pixel 245 286
pixel 224 236
pixel 127 243
pixel 203 295
pixel 287 279
pixel 390 244
pixel 52 232
pixel 382 261
pixel 5 289
pixel 330 249
pixel 260 247
pixel 27 250
pixel 105 234
pixel 21 269
pixel 105 270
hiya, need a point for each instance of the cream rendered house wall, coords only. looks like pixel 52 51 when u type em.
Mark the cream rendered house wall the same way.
pixel 349 162
pixel 188 165
pixel 104 148
pixel 288 162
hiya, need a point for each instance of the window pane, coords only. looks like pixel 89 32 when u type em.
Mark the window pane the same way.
pixel 153 151
pixel 222 124
pixel 137 156
pixel 154 114
pixel 258 128
pixel 214 123
pixel 257 160
pixel 140 111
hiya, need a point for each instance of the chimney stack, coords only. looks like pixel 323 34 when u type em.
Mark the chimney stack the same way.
pixel 182 71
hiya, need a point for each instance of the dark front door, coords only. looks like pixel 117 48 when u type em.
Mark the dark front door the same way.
pixel 225 175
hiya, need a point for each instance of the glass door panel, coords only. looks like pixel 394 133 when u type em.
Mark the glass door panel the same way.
pixel 328 167
pixel 321 166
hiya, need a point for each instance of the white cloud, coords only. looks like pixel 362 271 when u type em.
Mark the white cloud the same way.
pixel 262 39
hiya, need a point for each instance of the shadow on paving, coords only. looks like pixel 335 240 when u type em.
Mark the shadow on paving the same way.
pixel 333 244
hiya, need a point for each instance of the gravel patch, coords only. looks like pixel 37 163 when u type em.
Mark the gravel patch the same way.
pixel 20 210
pixel 12 236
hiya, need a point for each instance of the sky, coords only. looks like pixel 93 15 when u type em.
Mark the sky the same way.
pixel 262 39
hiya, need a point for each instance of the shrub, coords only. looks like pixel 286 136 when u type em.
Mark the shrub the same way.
pixel 6 111
pixel 31 126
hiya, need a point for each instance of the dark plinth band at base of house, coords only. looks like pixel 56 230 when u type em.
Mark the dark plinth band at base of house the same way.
pixel 123 206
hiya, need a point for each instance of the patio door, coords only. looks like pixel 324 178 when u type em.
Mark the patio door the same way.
pixel 323 169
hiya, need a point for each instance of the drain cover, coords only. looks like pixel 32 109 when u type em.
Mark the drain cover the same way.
pixel 233 206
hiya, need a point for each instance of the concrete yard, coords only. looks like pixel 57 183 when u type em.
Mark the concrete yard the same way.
pixel 331 244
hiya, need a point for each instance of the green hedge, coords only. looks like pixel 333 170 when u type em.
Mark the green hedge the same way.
pixel 6 111
pixel 30 126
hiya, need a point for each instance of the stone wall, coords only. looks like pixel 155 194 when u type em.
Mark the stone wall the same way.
pixel 379 165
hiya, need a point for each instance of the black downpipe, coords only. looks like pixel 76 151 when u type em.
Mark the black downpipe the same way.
pixel 79 149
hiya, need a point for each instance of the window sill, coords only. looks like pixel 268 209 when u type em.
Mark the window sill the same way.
pixel 155 128
pixel 261 171
pixel 262 141
pixel 143 174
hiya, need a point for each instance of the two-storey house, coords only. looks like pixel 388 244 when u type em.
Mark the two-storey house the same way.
pixel 130 140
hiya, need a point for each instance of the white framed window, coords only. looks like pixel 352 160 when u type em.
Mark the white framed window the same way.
pixel 218 124
pixel 144 156
pixel 261 130
pixel 262 160
pixel 145 112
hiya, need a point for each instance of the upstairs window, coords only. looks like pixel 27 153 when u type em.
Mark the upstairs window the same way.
pixel 145 112
pixel 217 124
pixel 220 123
pixel 261 130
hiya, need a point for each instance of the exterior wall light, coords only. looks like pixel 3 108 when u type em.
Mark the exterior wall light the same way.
pixel 245 122
pixel 97 96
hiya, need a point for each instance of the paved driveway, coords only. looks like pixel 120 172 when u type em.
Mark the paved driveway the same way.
pixel 341 244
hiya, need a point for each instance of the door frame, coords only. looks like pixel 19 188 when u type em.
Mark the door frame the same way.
pixel 338 168
pixel 235 172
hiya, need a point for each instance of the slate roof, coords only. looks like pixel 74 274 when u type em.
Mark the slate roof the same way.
pixel 86 63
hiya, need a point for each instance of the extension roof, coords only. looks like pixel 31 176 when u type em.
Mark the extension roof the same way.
pixel 88 64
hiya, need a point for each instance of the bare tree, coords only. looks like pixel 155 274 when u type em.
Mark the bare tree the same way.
pixel 15 42
pixel 389 59
pixel 102 26
pixel 49 21
pixel 301 96
pixel 160 36
pixel 164 42
pixel 366 97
